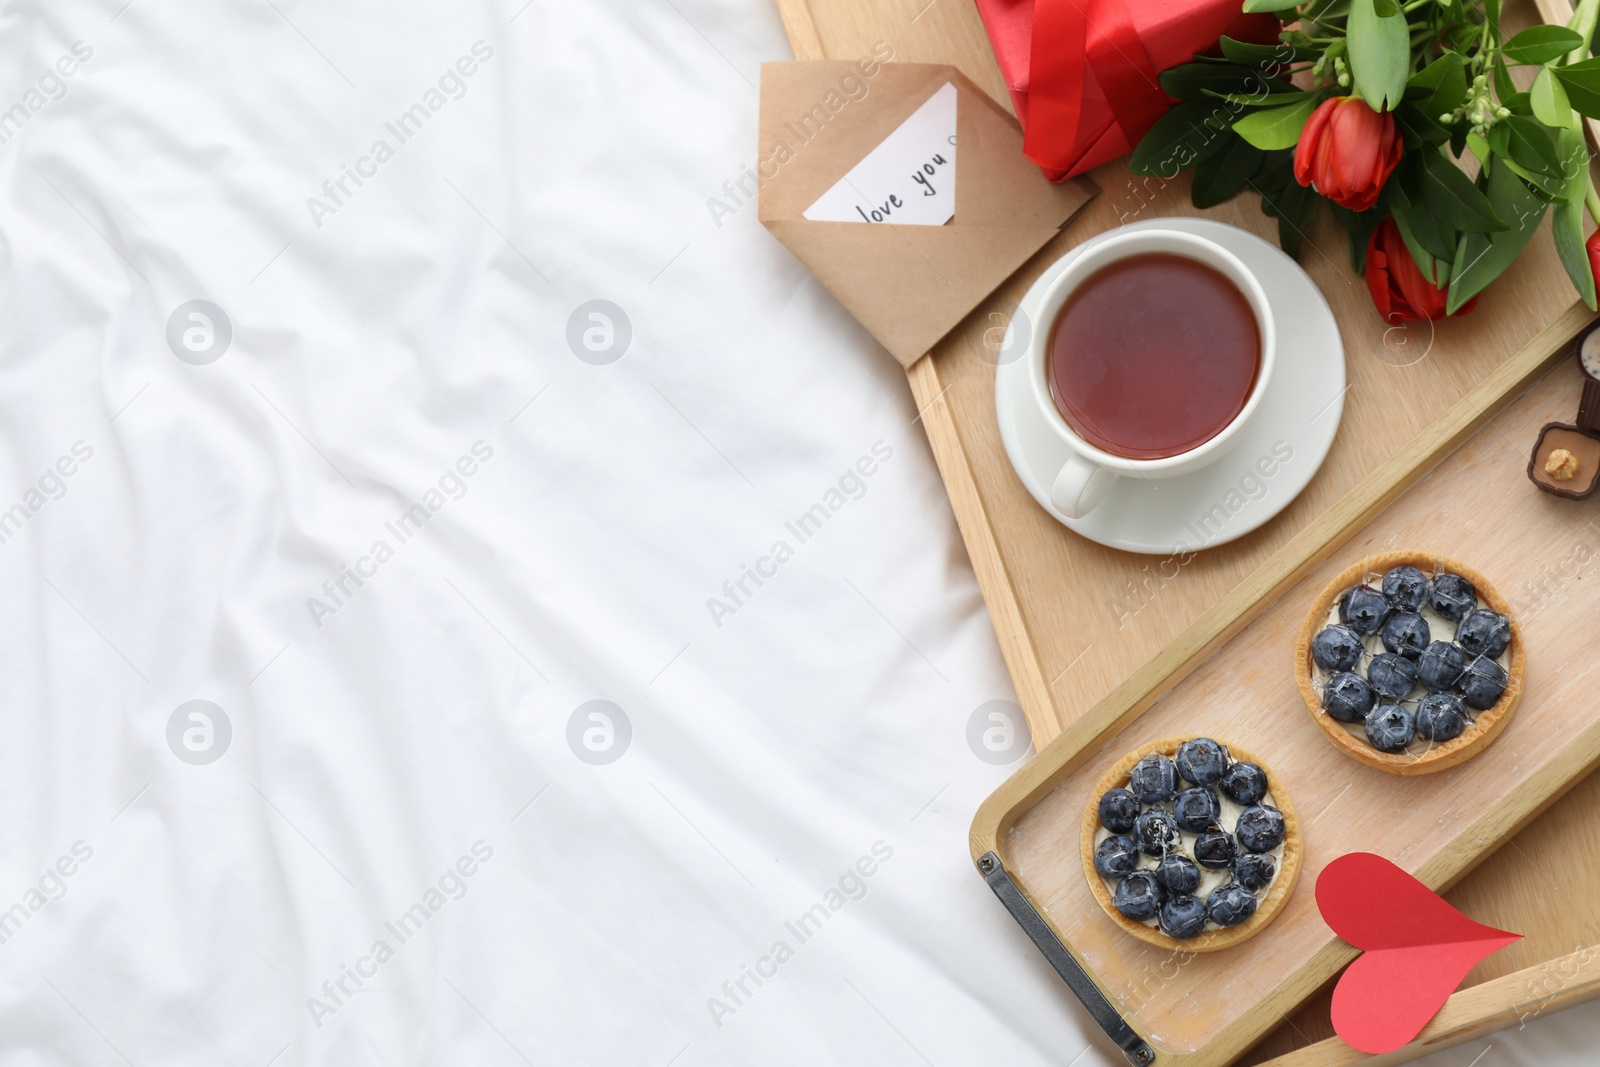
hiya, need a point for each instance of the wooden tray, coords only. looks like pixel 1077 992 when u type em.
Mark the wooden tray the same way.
pixel 1077 658
pixel 1210 1008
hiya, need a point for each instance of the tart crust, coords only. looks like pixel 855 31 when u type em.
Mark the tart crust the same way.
pixel 1209 940
pixel 1486 725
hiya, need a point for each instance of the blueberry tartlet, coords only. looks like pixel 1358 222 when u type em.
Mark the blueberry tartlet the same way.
pixel 1191 843
pixel 1410 663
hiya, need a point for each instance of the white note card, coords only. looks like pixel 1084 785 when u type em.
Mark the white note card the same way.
pixel 909 179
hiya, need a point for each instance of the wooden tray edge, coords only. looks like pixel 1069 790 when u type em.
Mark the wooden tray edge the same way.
pixel 1482 1009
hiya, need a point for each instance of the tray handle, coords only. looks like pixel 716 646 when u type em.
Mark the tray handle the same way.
pixel 1027 916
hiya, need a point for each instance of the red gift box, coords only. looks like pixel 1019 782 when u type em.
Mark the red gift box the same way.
pixel 1083 73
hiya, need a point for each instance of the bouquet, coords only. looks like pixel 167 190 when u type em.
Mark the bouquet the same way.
pixel 1403 116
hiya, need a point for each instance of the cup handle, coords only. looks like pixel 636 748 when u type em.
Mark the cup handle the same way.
pixel 1079 486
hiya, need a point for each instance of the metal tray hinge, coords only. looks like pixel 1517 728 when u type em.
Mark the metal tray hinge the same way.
pixel 1071 971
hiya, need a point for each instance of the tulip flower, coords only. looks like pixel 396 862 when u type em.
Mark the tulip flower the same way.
pixel 1399 289
pixel 1347 151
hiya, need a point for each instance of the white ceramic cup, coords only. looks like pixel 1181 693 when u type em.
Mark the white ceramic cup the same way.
pixel 1089 472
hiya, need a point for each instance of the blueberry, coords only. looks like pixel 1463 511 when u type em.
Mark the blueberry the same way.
pixel 1406 633
pixel 1439 668
pixel 1195 809
pixel 1336 648
pixel 1406 588
pixel 1482 683
pixel 1390 728
pixel 1452 596
pixel 1202 761
pixel 1182 917
pixel 1484 633
pixel 1391 675
pixel 1259 829
pixel 1347 697
pixel 1362 608
pixel 1178 874
pixel 1440 717
pixel 1116 856
pixel 1139 896
pixel 1215 849
pixel 1118 809
pixel 1254 870
pixel 1154 779
pixel 1245 783
pixel 1230 905
pixel 1157 833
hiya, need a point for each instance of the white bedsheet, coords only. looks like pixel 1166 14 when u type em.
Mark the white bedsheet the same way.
pixel 389 507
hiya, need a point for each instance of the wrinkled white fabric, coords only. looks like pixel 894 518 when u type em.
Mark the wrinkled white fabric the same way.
pixel 387 506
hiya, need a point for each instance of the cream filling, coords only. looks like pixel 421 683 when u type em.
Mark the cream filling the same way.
pixel 1209 879
pixel 1439 629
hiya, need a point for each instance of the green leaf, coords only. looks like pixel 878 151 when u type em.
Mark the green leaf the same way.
pixel 1421 229
pixel 1178 138
pixel 1221 174
pixel 1546 186
pixel 1566 221
pixel 1480 147
pixel 1418 128
pixel 1192 81
pixel 1380 52
pixel 1549 100
pixel 1252 6
pixel 1293 205
pixel 1582 83
pixel 1527 142
pixel 1269 100
pixel 1504 88
pixel 1451 196
pixel 1277 127
pixel 1541 44
pixel 1434 268
pixel 1481 258
pixel 1439 87
pixel 1359 225
pixel 1262 56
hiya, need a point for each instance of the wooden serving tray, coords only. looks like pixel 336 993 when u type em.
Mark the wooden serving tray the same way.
pixel 1094 637
pixel 1477 505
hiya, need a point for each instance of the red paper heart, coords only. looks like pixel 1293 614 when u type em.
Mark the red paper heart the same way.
pixel 1416 948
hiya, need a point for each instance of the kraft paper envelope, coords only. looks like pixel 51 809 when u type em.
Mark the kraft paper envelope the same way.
pixel 909 285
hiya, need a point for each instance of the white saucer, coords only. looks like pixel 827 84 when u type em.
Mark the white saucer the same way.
pixel 1241 491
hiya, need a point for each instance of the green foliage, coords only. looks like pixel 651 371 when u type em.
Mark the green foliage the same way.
pixel 1380 51
pixel 1440 70
pixel 1439 87
pixel 1582 83
pixel 1277 127
pixel 1541 44
pixel 1178 139
pixel 1566 220
pixel 1194 81
pixel 1481 257
pixel 1223 173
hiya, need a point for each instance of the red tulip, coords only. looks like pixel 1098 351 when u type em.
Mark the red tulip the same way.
pixel 1347 151
pixel 1398 287
pixel 1593 246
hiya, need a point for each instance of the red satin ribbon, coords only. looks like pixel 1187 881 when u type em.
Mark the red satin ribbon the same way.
pixel 1071 39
